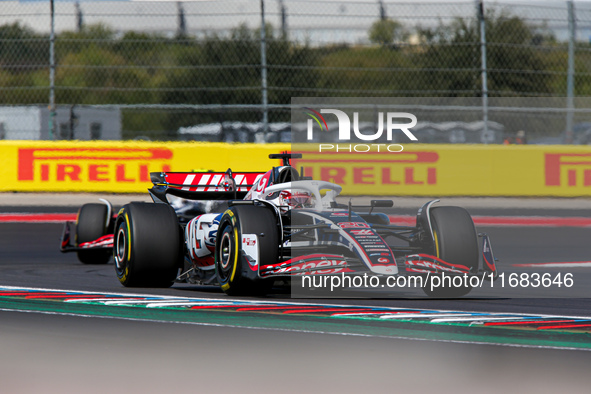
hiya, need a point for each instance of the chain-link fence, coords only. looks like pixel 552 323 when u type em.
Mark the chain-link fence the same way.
pixel 204 69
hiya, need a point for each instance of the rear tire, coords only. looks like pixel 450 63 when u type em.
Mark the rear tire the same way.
pixel 456 242
pixel 92 223
pixel 234 273
pixel 147 245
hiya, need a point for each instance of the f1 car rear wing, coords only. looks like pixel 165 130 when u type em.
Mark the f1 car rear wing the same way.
pixel 203 185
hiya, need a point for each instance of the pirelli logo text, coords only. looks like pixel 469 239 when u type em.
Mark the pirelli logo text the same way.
pixel 404 168
pixel 126 165
pixel 568 169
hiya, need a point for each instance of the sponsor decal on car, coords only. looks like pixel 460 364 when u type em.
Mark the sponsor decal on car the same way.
pixel 249 240
pixel 362 232
pixel 432 266
pixel 250 246
pixel 210 182
pixel 338 214
pixel 312 264
pixel 353 225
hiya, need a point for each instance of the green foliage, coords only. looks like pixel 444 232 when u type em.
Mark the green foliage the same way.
pixel 227 70
pixel 99 66
pixel 515 63
pixel 99 76
pixel 31 87
pixel 365 71
pixel 21 49
pixel 98 37
pixel 451 60
pixel 386 32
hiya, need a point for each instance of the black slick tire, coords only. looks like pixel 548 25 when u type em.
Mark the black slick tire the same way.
pixel 147 245
pixel 92 223
pixel 236 276
pixel 456 242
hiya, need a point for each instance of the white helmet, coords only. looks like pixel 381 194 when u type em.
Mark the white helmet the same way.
pixel 289 199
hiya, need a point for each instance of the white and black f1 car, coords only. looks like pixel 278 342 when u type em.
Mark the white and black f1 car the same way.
pixel 246 230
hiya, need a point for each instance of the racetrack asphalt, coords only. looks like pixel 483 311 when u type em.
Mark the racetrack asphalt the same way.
pixel 151 356
pixel 68 354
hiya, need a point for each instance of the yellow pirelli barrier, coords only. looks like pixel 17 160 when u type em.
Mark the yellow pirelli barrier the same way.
pixel 454 170
pixel 419 169
pixel 119 167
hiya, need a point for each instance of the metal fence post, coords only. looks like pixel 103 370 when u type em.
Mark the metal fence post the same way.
pixel 182 22
pixel 52 73
pixel 480 11
pixel 283 19
pixel 570 79
pixel 264 73
pixel 79 18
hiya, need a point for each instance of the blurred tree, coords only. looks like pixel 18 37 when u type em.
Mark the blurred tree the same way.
pixel 99 76
pixel 386 32
pixel 22 50
pixel 24 87
pixel 96 65
pixel 450 59
pixel 364 71
pixel 514 61
pixel 96 36
pixel 227 70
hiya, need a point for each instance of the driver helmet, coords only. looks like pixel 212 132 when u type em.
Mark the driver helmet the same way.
pixel 296 199
pixel 288 199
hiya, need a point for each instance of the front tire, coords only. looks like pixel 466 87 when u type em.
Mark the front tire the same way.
pixel 92 223
pixel 456 242
pixel 235 274
pixel 147 245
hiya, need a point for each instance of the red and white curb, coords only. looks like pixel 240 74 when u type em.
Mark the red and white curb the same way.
pixel 203 305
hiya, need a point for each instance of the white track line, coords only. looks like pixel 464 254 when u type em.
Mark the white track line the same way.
pixel 566 264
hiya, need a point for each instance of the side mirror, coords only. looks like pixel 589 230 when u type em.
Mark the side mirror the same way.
pixel 382 203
